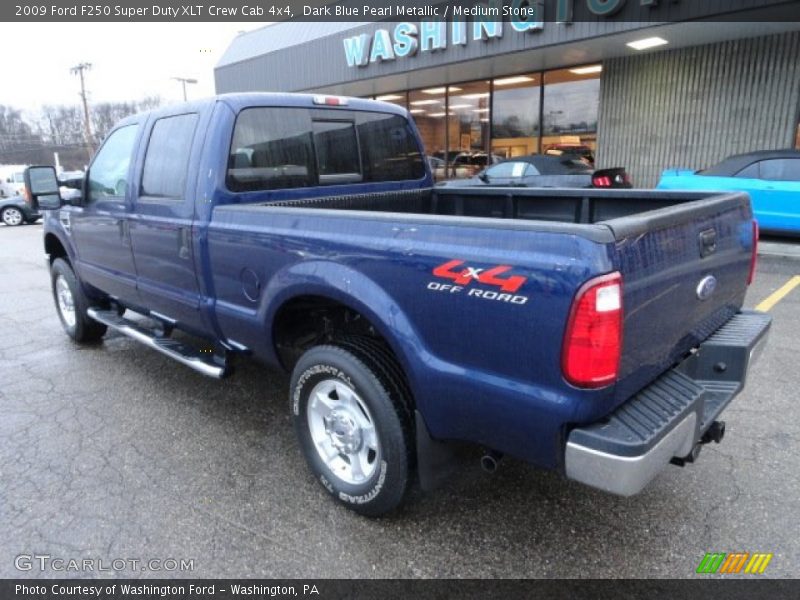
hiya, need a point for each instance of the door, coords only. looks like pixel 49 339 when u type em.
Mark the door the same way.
pixel 776 204
pixel 163 215
pixel 100 226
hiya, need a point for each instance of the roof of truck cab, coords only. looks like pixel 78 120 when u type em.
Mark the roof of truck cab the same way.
pixel 240 101
pixel 246 100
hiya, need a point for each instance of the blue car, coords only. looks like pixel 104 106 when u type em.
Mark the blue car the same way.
pixel 772 178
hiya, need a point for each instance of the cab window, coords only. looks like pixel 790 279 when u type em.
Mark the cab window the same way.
pixel 109 171
pixel 167 159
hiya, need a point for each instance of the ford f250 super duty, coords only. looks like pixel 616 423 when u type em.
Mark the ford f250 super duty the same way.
pixel 598 333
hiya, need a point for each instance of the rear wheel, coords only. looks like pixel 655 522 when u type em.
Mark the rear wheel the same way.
pixel 352 428
pixel 71 304
pixel 12 216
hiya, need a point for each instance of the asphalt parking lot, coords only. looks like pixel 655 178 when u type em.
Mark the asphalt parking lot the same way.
pixel 115 452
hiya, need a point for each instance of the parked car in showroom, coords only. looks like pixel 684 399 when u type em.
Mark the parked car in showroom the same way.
pixel 772 178
pixel 538 170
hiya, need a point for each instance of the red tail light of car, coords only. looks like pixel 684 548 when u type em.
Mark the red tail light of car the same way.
pixel 593 338
pixel 601 181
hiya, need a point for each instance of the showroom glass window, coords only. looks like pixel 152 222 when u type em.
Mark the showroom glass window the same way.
pixel 427 107
pixel 569 112
pixel 399 98
pixel 468 128
pixel 516 115
pixel 167 158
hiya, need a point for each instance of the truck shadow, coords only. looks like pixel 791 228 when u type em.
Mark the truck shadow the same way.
pixel 242 471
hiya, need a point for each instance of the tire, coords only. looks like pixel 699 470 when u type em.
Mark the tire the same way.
pixel 12 216
pixel 351 420
pixel 68 293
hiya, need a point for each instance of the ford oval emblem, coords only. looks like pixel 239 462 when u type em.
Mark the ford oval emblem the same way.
pixel 706 287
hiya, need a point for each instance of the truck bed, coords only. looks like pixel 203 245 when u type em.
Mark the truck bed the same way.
pixel 578 206
pixel 387 245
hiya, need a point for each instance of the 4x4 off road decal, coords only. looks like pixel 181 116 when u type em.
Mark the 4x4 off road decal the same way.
pixel 464 277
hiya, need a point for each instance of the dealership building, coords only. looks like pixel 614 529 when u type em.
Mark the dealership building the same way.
pixel 644 94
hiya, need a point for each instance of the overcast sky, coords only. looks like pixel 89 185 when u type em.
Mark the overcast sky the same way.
pixel 129 60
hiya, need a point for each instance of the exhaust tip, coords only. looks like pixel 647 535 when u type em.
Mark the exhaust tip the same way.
pixel 714 433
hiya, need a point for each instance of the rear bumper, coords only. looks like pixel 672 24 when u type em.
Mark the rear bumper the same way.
pixel 623 452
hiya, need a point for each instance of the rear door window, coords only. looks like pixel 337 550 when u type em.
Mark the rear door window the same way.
pixel 508 169
pixel 780 169
pixel 749 172
pixel 167 158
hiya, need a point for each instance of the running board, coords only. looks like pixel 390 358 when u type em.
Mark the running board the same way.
pixel 205 363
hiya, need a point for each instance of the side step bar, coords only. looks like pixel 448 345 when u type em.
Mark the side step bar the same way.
pixel 207 364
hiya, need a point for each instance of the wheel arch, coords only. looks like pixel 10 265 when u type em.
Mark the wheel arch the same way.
pixel 351 302
pixel 55 248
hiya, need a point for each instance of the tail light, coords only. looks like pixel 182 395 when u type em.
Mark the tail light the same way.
pixel 593 339
pixel 754 256
pixel 601 181
pixel 330 100
pixel 27 194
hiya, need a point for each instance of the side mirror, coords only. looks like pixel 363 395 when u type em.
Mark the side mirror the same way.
pixel 41 186
pixel 483 177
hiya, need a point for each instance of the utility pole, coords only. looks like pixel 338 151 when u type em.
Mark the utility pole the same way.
pixel 184 81
pixel 87 124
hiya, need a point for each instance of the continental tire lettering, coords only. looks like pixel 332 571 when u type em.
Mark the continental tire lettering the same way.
pixel 308 374
pixel 369 496
pixel 326 483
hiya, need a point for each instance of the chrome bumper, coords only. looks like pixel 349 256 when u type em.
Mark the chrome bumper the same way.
pixel 625 451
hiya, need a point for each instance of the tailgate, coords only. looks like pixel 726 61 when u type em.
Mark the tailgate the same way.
pixel 684 271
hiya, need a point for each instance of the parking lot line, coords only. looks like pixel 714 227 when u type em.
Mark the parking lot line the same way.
pixel 767 303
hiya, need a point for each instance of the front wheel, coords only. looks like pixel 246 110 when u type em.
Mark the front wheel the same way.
pixel 12 216
pixel 71 304
pixel 352 428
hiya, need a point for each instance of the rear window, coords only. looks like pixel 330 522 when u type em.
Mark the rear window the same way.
pixel 282 147
pixel 337 150
pixel 560 165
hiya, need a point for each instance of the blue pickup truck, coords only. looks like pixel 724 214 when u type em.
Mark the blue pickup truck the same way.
pixel 599 333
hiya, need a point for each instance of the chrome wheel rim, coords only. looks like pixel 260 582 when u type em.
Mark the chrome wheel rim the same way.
pixel 12 216
pixel 343 431
pixel 66 302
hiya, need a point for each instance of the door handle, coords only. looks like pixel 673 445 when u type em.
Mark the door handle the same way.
pixel 184 240
pixel 124 231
